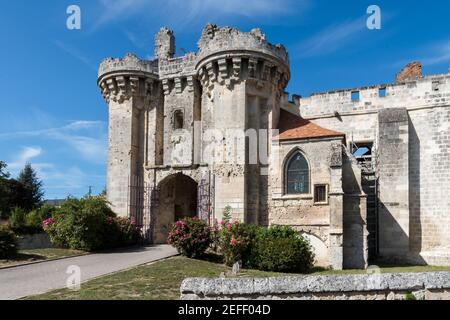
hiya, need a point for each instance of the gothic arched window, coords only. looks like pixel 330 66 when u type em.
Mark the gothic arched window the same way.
pixel 297 174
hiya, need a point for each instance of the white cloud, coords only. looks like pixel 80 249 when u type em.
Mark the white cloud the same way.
pixel 24 157
pixel 441 54
pixel 71 179
pixel 185 12
pixel 429 55
pixel 75 53
pixel 83 124
pixel 331 39
pixel 92 149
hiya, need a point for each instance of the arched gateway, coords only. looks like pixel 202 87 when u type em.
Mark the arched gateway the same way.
pixel 177 196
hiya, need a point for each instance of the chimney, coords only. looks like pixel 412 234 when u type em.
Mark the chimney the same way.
pixel 411 71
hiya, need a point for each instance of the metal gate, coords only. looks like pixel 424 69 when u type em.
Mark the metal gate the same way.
pixel 143 201
pixel 142 205
pixel 205 198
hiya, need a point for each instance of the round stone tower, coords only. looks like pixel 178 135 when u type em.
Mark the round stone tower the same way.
pixel 243 78
pixel 130 87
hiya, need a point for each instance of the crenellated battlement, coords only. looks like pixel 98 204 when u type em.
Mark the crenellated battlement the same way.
pixel 430 91
pixel 226 56
pixel 129 64
pixel 215 40
pixel 179 67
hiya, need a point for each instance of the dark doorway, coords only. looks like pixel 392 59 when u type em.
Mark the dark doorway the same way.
pixel 177 200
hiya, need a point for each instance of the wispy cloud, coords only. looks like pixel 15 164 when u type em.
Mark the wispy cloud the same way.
pixel 186 12
pixel 441 54
pixel 92 149
pixel 331 39
pixel 57 180
pixel 70 180
pixel 430 55
pixel 24 157
pixel 75 53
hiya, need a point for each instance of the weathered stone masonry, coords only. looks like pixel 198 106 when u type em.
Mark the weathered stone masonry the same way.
pixel 182 143
pixel 409 129
pixel 374 286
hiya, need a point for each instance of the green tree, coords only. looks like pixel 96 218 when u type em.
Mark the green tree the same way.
pixel 3 173
pixel 32 186
pixel 4 191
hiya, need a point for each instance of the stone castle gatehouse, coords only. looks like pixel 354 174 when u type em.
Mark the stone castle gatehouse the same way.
pixel 363 173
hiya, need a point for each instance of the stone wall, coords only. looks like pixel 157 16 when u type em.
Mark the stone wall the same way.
pixel 427 102
pixel 322 221
pixel 376 286
pixel 411 71
pixel 236 80
pixel 393 172
pixel 35 241
pixel 355 215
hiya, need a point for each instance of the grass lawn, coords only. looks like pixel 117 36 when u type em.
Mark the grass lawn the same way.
pixel 36 255
pixel 162 280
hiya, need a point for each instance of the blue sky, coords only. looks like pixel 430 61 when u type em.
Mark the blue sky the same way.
pixel 53 116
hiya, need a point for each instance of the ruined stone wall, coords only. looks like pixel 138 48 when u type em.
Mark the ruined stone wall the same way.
pixel 427 101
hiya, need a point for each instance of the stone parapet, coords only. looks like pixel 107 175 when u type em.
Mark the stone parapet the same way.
pixel 129 64
pixel 226 56
pixel 121 79
pixel 428 91
pixel 215 39
pixel 371 286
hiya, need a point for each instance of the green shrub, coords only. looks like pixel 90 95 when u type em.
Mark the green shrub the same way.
pixel 129 234
pixel 191 237
pixel 8 243
pixel 236 241
pixel 227 214
pixel 30 223
pixel 89 224
pixel 282 249
pixel 17 218
pixel 410 297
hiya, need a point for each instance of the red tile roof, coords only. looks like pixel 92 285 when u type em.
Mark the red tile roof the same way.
pixel 293 127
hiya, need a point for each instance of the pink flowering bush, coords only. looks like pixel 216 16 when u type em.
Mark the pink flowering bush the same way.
pixel 235 240
pixel 191 237
pixel 89 224
pixel 47 223
pixel 129 233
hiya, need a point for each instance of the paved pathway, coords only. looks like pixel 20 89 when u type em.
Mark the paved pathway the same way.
pixel 19 282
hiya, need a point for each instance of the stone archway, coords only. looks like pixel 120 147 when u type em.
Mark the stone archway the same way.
pixel 177 199
pixel 320 250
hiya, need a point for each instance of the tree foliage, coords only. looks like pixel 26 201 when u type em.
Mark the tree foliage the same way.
pixel 33 192
pixel 24 192
pixel 3 173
